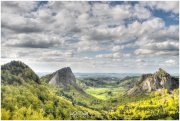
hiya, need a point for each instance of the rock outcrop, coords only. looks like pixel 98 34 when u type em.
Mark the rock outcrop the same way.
pixel 64 78
pixel 152 82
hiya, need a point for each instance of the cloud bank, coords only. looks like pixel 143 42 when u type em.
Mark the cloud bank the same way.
pixel 92 36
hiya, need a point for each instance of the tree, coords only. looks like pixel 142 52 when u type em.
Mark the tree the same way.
pixel 5 115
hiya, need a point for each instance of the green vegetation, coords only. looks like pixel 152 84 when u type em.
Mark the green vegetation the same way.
pixel 161 105
pixel 46 78
pixel 22 98
pixel 17 72
pixel 106 92
pixel 32 101
pixel 99 81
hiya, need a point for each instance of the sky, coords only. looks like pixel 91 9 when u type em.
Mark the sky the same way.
pixel 91 37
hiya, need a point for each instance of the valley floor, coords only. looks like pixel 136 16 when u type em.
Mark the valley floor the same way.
pixel 105 93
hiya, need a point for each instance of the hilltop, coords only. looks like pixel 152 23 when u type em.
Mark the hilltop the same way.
pixel 16 72
pixel 152 82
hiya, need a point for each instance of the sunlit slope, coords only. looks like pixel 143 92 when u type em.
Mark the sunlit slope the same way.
pixel 161 105
pixel 40 102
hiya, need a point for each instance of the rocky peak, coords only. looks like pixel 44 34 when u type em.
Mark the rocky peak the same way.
pixel 161 73
pixel 152 82
pixel 63 77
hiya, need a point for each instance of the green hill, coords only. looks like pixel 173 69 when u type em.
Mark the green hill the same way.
pixel 32 102
pixel 17 72
pixel 24 97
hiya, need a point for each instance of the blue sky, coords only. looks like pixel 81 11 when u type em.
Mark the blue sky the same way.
pixel 107 37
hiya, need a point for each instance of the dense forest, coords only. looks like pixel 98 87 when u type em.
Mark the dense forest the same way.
pixel 25 96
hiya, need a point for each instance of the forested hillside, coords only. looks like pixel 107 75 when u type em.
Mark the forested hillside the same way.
pixel 17 72
pixel 32 101
pixel 26 97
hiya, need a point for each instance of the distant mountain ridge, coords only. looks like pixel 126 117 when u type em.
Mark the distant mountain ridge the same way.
pixel 152 82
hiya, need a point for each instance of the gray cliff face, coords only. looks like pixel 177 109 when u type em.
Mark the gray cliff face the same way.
pixel 153 82
pixel 64 78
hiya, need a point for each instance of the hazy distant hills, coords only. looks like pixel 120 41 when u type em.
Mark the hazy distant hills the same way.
pixel 105 75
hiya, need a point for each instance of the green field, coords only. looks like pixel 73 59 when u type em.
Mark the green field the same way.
pixel 105 93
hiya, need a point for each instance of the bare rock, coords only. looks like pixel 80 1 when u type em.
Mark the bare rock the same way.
pixel 152 82
pixel 65 78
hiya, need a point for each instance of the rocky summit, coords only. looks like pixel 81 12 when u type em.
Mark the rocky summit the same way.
pixel 152 82
pixel 64 78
